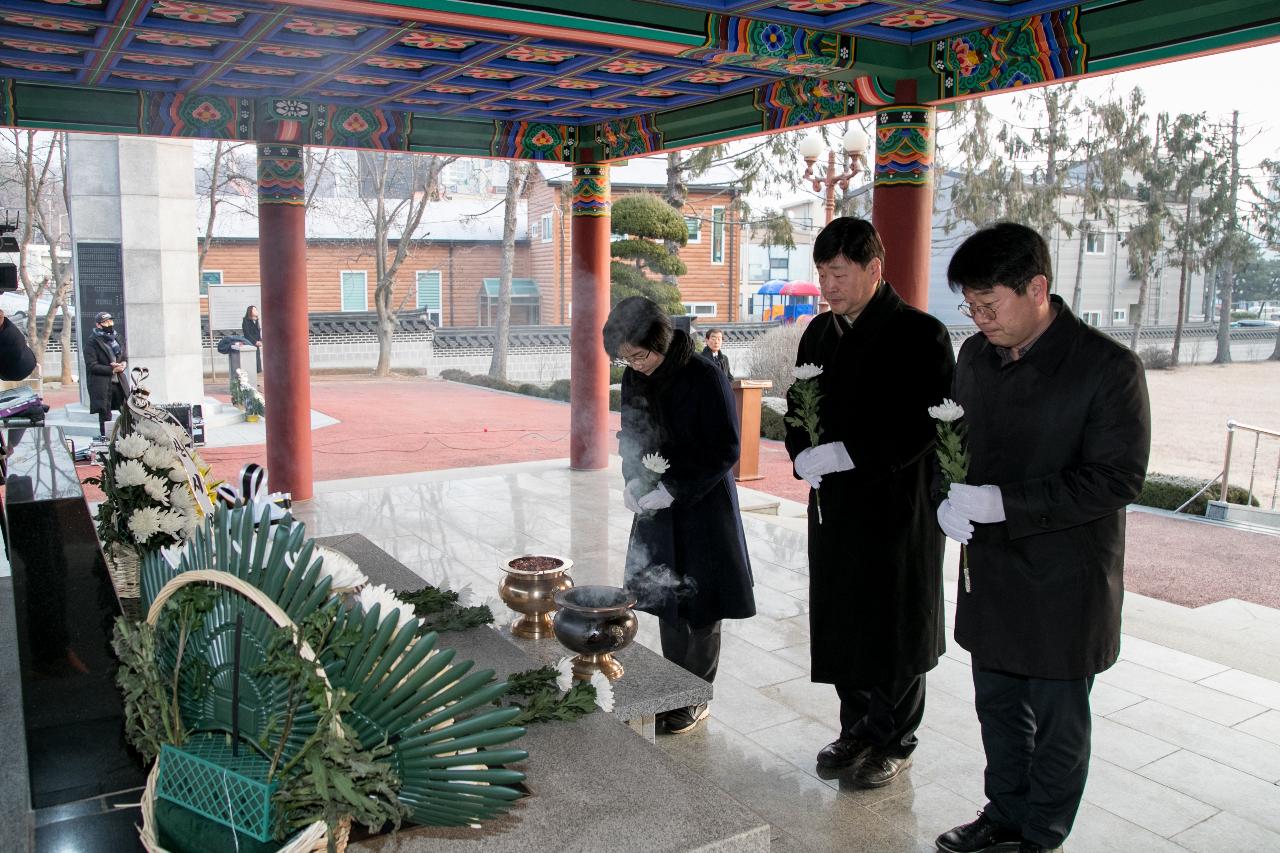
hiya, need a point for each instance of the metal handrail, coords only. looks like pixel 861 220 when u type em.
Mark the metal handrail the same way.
pixel 1206 487
pixel 1258 432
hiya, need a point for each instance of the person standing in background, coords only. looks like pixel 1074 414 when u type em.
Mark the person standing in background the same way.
pixel 715 339
pixel 104 359
pixel 251 328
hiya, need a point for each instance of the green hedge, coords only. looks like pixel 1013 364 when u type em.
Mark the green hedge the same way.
pixel 771 424
pixel 558 390
pixel 1170 491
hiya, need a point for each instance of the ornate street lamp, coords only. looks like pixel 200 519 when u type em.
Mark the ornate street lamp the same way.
pixel 851 162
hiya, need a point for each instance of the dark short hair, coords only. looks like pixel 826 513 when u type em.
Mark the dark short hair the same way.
pixel 1005 253
pixel 640 322
pixel 714 330
pixel 854 238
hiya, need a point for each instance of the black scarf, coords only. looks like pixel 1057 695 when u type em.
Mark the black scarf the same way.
pixel 108 337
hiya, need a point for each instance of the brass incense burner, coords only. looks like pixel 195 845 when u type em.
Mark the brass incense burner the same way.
pixel 530 587
pixel 595 622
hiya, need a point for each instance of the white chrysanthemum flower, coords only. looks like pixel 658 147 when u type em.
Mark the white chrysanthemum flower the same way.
pixel 158 457
pixel 342 569
pixel 604 691
pixel 150 430
pixel 181 499
pixel 564 674
pixel 190 524
pixel 947 412
pixel 130 473
pixel 132 446
pixel 157 489
pixel 178 473
pixel 172 522
pixel 378 594
pixel 655 463
pixel 145 523
pixel 806 371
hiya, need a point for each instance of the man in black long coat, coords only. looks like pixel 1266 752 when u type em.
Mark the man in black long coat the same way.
pixel 105 362
pixel 875 552
pixel 1059 431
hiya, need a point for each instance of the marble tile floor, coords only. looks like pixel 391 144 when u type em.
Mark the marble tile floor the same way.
pixel 1186 749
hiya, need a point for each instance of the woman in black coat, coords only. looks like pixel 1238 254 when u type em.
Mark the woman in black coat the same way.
pixel 251 328
pixel 687 559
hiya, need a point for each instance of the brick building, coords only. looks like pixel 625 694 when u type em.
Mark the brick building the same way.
pixel 451 271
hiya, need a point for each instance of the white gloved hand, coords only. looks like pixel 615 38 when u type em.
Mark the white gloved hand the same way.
pixel 629 500
pixel 813 462
pixel 983 504
pixel 955 525
pixel 659 498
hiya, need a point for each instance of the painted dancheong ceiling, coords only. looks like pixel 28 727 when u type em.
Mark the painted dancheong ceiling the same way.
pixel 545 80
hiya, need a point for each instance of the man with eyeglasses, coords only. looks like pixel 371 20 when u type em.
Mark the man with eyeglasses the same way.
pixel 1058 436
pixel 875 552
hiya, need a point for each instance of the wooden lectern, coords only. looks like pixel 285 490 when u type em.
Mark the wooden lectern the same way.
pixel 746 398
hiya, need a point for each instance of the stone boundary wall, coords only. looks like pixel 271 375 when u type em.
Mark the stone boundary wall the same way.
pixel 548 359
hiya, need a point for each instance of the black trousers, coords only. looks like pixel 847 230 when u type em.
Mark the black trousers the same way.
pixel 885 715
pixel 694 649
pixel 1036 735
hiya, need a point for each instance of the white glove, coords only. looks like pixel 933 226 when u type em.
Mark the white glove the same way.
pixel 659 498
pixel 983 504
pixel 629 501
pixel 955 525
pixel 812 462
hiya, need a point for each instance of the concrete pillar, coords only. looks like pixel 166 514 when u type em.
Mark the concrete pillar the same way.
pixel 286 365
pixel 133 233
pixel 902 204
pixel 589 370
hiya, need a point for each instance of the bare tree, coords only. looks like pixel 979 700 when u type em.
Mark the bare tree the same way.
pixel 396 190
pixel 517 182
pixel 36 170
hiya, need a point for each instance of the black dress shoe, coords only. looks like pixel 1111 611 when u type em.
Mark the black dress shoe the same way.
pixel 842 752
pixel 878 770
pixel 981 835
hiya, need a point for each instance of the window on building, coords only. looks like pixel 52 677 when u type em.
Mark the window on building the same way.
pixel 1093 318
pixel 700 309
pixel 355 290
pixel 428 294
pixel 546 228
pixel 717 235
pixel 208 277
pixel 693 224
pixel 780 265
pixel 1095 244
pixel 1120 315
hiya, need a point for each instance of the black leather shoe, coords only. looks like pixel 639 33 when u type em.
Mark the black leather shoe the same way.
pixel 842 752
pixel 982 835
pixel 878 770
pixel 1032 847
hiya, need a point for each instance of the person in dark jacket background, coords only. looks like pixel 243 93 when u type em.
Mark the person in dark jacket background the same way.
pixel 715 339
pixel 251 328
pixel 687 558
pixel 1059 430
pixel 875 558
pixel 105 361
pixel 17 361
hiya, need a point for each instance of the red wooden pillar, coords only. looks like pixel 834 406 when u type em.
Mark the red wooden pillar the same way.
pixel 902 204
pixel 589 366
pixel 286 363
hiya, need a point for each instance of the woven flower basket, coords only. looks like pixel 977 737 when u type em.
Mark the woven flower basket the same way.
pixel 123 564
pixel 314 838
